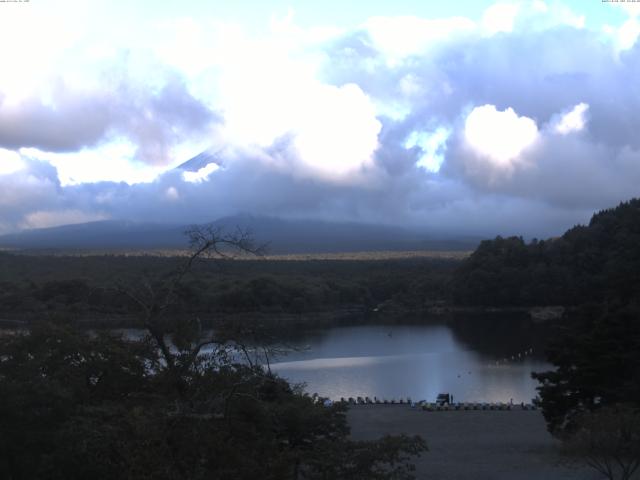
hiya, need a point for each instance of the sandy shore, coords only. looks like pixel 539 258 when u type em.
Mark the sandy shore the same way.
pixel 474 445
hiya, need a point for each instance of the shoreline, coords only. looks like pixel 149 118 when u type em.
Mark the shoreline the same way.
pixel 345 316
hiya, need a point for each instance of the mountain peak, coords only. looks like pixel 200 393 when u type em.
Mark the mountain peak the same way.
pixel 200 161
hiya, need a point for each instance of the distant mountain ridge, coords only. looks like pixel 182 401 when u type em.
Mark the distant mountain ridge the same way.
pixel 283 236
pixel 110 234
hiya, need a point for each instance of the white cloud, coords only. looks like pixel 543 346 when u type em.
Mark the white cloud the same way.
pixel 10 161
pixel 29 60
pixel 499 136
pixel 110 162
pixel 632 8
pixel 201 174
pixel 572 121
pixel 399 37
pixel 500 17
pixel 263 91
pixel 628 33
pixel 523 16
pixel 338 135
pixel 54 218
pixel 268 96
pixel 172 193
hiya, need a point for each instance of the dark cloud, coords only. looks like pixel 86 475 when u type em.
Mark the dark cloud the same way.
pixel 412 199
pixel 68 120
pixel 155 121
pixel 26 191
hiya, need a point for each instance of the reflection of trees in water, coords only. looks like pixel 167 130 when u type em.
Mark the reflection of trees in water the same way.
pixel 500 335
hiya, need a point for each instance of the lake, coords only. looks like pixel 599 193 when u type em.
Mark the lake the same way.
pixel 474 361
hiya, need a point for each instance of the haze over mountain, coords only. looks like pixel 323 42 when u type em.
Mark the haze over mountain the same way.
pixel 282 236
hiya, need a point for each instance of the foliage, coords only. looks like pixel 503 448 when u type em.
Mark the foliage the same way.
pixel 53 377
pixel 79 406
pixel 597 362
pixel 587 263
pixel 36 288
pixel 608 440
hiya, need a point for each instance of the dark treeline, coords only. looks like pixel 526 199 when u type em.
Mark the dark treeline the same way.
pixel 86 288
pixel 588 263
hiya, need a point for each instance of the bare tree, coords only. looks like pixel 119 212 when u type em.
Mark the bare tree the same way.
pixel 179 342
pixel 608 440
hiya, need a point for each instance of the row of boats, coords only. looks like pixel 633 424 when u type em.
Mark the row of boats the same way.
pixel 444 402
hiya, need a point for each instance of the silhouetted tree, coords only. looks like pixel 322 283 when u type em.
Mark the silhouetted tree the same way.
pixel 608 440
pixel 597 362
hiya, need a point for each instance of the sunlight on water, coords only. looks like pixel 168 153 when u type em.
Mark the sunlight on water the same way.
pixel 407 361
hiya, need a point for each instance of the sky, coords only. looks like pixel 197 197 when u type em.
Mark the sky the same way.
pixel 461 117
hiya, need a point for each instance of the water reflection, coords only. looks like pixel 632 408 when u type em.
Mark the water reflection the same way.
pixel 417 361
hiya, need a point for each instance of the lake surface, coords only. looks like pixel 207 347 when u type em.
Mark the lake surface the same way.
pixel 472 361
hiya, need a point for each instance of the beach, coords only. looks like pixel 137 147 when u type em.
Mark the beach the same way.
pixel 474 444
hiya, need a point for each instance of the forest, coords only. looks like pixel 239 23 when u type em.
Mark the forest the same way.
pixel 86 288
pixel 595 262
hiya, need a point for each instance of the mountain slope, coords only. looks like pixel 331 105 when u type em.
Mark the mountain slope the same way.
pixel 110 234
pixel 282 236
pixel 200 161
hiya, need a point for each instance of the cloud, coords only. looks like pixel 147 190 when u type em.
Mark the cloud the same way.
pixel 10 162
pixel 200 175
pixel 572 121
pixel 25 190
pixel 398 37
pixel 632 8
pixel 500 17
pixel 298 123
pixel 522 121
pixel 498 137
pixel 338 136
pixel 68 120
pixel 628 33
pixel 44 218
